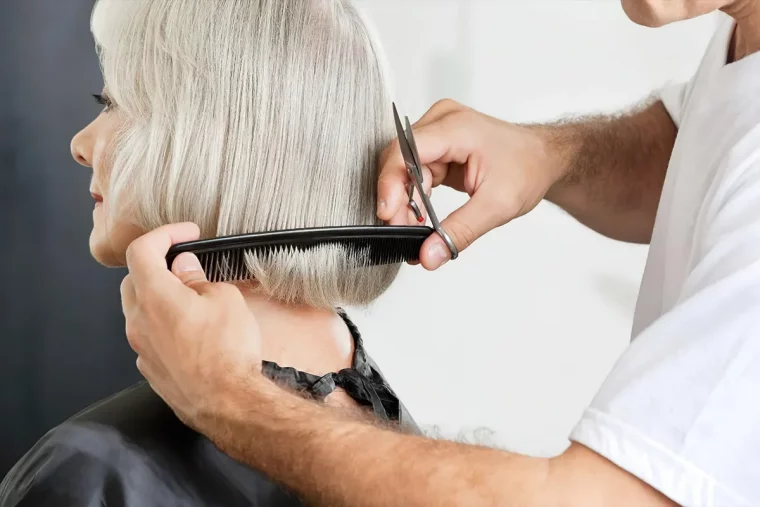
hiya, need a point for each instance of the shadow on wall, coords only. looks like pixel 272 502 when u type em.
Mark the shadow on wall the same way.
pixel 61 328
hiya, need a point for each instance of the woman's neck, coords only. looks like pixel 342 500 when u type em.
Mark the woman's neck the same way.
pixel 746 40
pixel 307 339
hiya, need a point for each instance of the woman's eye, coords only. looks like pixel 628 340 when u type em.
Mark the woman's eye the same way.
pixel 103 101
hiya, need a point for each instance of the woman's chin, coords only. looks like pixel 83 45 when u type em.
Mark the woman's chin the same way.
pixel 102 252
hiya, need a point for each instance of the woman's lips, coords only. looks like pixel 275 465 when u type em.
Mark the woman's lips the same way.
pixel 97 197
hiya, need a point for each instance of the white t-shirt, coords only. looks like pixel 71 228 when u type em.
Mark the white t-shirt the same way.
pixel 681 408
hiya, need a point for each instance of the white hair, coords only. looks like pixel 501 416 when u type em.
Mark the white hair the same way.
pixel 250 116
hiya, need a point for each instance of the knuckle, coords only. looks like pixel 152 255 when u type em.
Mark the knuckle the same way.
pixel 511 207
pixel 463 235
pixel 389 152
pixel 129 330
pixel 132 336
pixel 447 104
pixel 126 285
pixel 385 181
pixel 386 153
pixel 130 254
pixel 133 252
pixel 427 177
pixel 192 278
pixel 227 292
pixel 216 290
pixel 140 366
pixel 460 119
pixel 219 293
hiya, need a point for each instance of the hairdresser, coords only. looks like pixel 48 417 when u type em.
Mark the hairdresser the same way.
pixel 677 420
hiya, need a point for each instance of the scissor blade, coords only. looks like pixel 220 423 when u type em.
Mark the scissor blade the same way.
pixel 412 166
pixel 412 163
pixel 406 151
pixel 417 173
pixel 413 149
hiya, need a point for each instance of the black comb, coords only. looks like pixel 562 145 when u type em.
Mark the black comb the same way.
pixel 223 259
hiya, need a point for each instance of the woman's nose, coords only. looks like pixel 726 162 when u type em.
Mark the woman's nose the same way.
pixel 81 148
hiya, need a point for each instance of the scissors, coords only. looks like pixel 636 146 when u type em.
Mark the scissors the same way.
pixel 414 169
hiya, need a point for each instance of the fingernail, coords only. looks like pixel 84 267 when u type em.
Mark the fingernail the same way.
pixel 381 206
pixel 187 263
pixel 438 255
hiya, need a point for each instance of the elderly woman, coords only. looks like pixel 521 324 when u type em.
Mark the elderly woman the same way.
pixel 239 116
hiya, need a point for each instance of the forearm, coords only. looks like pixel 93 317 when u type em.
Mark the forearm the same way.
pixel 334 460
pixel 613 170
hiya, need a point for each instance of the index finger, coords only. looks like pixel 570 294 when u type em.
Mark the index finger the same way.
pixel 443 141
pixel 146 256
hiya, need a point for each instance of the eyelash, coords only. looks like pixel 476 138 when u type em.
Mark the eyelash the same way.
pixel 103 101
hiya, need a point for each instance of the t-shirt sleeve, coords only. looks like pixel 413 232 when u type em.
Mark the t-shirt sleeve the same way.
pixel 674 97
pixel 681 408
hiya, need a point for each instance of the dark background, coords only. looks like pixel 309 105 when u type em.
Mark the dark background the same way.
pixel 62 343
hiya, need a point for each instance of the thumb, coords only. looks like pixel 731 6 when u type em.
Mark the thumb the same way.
pixel 464 226
pixel 188 269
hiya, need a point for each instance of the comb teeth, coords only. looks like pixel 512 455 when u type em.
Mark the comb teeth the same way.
pixel 230 266
pixel 223 259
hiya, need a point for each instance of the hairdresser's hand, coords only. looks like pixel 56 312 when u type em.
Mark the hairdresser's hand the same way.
pixel 197 342
pixel 506 169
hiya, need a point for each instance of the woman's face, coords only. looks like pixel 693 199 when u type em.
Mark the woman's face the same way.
pixel 92 148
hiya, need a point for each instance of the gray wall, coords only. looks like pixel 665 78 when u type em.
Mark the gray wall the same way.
pixel 62 343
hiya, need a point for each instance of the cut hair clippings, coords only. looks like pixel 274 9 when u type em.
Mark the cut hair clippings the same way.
pixel 224 259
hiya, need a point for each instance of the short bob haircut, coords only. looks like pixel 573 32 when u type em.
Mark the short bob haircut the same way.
pixel 249 116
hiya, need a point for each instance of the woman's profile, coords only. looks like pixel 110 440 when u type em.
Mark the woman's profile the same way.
pixel 239 116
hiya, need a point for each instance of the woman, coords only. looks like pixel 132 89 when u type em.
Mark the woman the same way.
pixel 240 116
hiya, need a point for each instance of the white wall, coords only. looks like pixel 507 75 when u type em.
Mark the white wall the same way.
pixel 520 332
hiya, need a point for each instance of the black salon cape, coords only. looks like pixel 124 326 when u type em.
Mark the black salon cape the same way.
pixel 131 450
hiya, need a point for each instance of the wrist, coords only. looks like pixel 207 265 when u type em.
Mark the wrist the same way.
pixel 556 151
pixel 232 401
